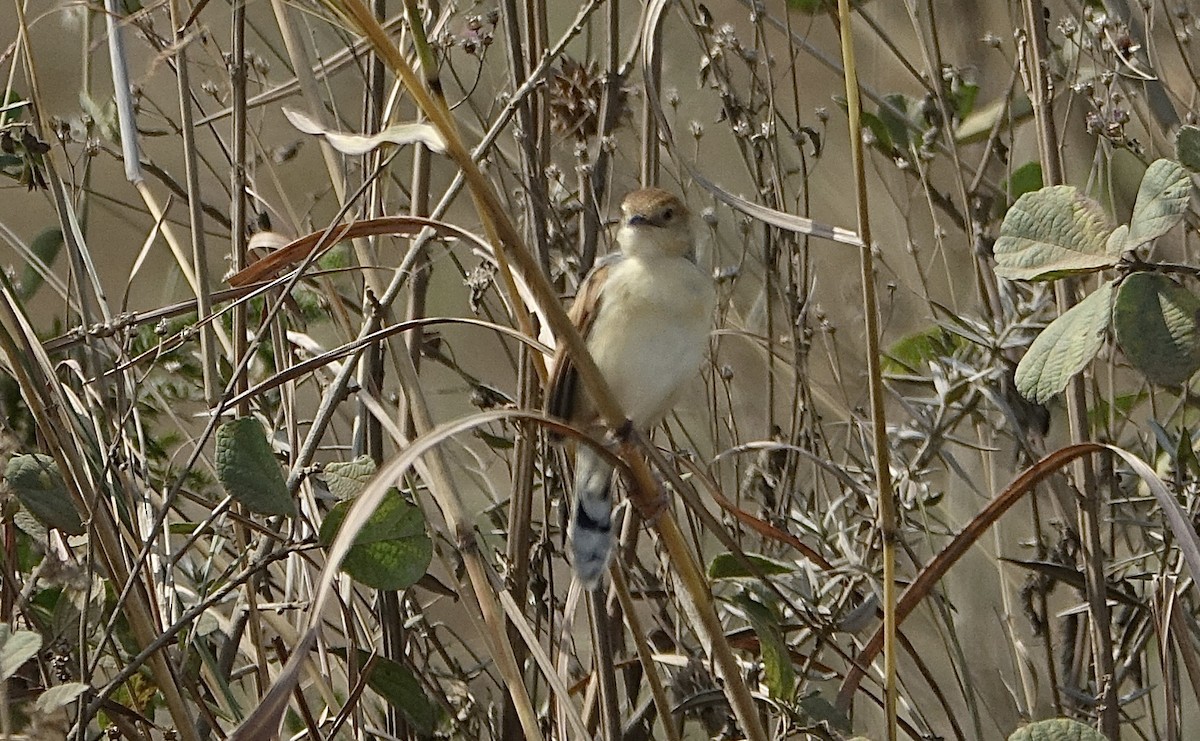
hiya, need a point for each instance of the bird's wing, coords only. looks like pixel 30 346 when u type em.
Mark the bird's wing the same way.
pixel 563 392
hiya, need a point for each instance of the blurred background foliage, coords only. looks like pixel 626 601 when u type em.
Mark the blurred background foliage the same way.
pixel 160 570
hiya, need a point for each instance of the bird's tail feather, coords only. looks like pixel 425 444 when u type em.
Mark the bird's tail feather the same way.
pixel 591 530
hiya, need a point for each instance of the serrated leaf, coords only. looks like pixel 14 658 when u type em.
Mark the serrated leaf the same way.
pixel 16 648
pixel 396 684
pixel 728 566
pixel 1161 202
pixel 60 696
pixel 347 479
pixel 1050 233
pixel 1156 323
pixel 1056 729
pixel 1187 147
pixel 46 246
pixel 356 144
pixel 780 676
pixel 1065 347
pixel 40 487
pixel 392 551
pixel 248 471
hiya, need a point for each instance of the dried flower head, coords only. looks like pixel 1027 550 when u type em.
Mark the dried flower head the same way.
pixel 576 91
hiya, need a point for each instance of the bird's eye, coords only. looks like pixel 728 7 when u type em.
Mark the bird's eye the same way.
pixel 668 214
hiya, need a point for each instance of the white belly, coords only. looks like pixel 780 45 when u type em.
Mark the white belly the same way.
pixel 651 333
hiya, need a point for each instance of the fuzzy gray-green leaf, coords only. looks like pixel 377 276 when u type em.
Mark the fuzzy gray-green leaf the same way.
pixel 1065 347
pixel 1056 729
pixel 1187 147
pixel 39 486
pixel 1052 232
pixel 16 648
pixel 347 479
pixel 248 471
pixel 1161 202
pixel 1156 323
pixel 391 551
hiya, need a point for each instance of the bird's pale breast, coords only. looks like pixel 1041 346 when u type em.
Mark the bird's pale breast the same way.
pixel 651 332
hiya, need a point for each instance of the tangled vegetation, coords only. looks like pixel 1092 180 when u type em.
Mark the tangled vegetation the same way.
pixel 281 284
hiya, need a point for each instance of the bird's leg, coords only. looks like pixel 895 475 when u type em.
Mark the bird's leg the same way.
pixel 650 504
pixel 647 492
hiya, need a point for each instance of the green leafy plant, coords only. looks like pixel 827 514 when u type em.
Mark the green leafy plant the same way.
pixel 1057 232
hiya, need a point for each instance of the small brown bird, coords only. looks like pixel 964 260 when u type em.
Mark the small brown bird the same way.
pixel 645 313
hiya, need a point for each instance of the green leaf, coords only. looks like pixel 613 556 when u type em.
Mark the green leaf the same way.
pixel 812 7
pixel 1119 407
pixel 10 104
pixel 902 117
pixel 728 566
pixel 808 7
pixel 1056 729
pixel 16 648
pixel 1116 244
pixel 913 353
pixel 1025 179
pixel 879 130
pixel 40 487
pixel 347 480
pixel 1065 347
pixel 1187 147
pixel 248 471
pixel 978 126
pixel 60 696
pixel 30 525
pixel 495 442
pixel 396 684
pixel 1161 202
pixel 1050 233
pixel 1185 454
pixel 777 663
pixel 821 710
pixel 391 551
pixel 1156 323
pixel 46 245
pixel 104 116
pixel 963 98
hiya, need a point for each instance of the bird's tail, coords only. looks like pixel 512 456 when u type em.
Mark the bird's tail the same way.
pixel 591 531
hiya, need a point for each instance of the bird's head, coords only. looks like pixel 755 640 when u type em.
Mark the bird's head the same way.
pixel 655 222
